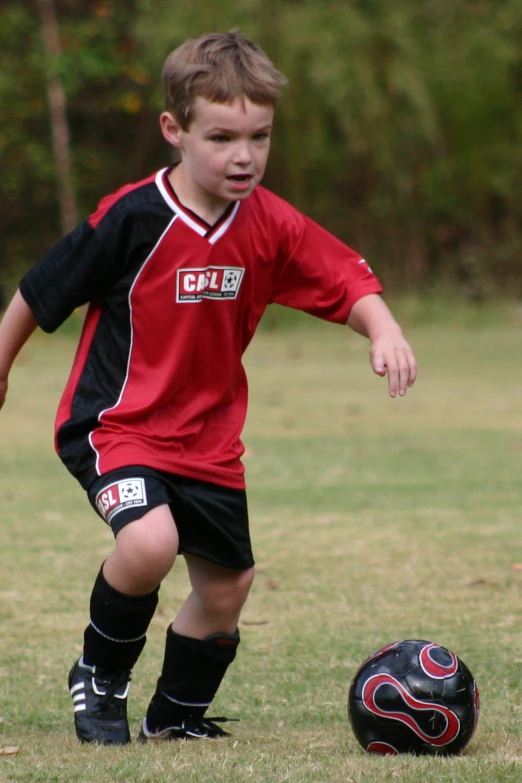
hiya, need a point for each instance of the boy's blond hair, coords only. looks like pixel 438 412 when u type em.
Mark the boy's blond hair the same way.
pixel 219 67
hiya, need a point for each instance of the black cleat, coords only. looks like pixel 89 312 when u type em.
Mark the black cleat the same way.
pixel 100 704
pixel 189 729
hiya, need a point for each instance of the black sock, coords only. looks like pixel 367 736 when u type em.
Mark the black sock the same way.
pixel 192 673
pixel 117 632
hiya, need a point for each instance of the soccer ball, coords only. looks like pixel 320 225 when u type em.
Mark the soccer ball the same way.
pixel 413 697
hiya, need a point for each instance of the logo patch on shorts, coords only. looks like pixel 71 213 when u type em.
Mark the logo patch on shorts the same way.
pixel 119 496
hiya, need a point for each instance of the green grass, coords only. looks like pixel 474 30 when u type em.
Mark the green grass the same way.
pixel 372 520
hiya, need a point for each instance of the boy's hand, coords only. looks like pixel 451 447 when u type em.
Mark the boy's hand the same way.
pixel 3 391
pixel 391 355
pixel 16 326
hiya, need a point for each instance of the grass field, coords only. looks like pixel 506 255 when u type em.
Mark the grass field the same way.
pixel 372 519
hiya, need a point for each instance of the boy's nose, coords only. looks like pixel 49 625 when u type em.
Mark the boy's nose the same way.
pixel 242 154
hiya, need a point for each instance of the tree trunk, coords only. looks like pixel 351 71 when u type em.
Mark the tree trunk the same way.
pixel 58 118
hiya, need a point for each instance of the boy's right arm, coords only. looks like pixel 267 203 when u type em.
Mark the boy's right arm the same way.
pixel 16 327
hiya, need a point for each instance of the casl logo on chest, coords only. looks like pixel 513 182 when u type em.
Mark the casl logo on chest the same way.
pixel 212 282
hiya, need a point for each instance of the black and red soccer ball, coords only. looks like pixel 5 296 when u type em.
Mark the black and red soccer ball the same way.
pixel 415 697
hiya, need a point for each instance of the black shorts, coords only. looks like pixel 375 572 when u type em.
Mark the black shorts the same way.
pixel 212 520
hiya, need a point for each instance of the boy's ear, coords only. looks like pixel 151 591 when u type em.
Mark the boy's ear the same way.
pixel 171 129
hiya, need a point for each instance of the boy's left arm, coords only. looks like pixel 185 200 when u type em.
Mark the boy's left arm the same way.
pixel 390 354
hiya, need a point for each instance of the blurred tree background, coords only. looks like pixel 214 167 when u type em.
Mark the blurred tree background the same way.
pixel 400 129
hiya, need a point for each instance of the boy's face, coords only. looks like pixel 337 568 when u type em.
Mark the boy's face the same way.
pixel 224 151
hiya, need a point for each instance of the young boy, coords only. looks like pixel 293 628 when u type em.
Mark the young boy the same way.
pixel 178 270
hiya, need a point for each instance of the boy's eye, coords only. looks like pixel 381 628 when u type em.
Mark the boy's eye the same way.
pixel 223 138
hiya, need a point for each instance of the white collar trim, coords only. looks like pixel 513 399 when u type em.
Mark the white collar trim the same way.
pixel 187 219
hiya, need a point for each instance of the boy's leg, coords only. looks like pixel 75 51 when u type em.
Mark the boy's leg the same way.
pixel 123 602
pixel 200 645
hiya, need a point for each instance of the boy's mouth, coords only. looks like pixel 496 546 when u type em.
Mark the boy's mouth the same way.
pixel 240 183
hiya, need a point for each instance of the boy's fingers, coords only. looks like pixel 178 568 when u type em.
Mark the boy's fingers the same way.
pixel 404 376
pixel 401 369
pixel 393 380
pixel 378 362
pixel 408 372
pixel 412 366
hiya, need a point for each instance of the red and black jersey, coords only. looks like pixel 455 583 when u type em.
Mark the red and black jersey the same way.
pixel 173 303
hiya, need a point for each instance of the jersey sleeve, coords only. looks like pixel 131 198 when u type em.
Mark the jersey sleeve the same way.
pixel 321 275
pixel 83 266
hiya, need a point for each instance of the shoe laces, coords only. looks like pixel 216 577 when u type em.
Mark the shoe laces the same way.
pixel 111 683
pixel 209 724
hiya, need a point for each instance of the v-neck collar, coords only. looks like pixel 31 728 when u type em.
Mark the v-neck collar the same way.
pixel 210 232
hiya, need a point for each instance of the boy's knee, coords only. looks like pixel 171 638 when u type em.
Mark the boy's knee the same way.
pixel 231 593
pixel 245 580
pixel 158 554
pixel 149 544
pixel 239 585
